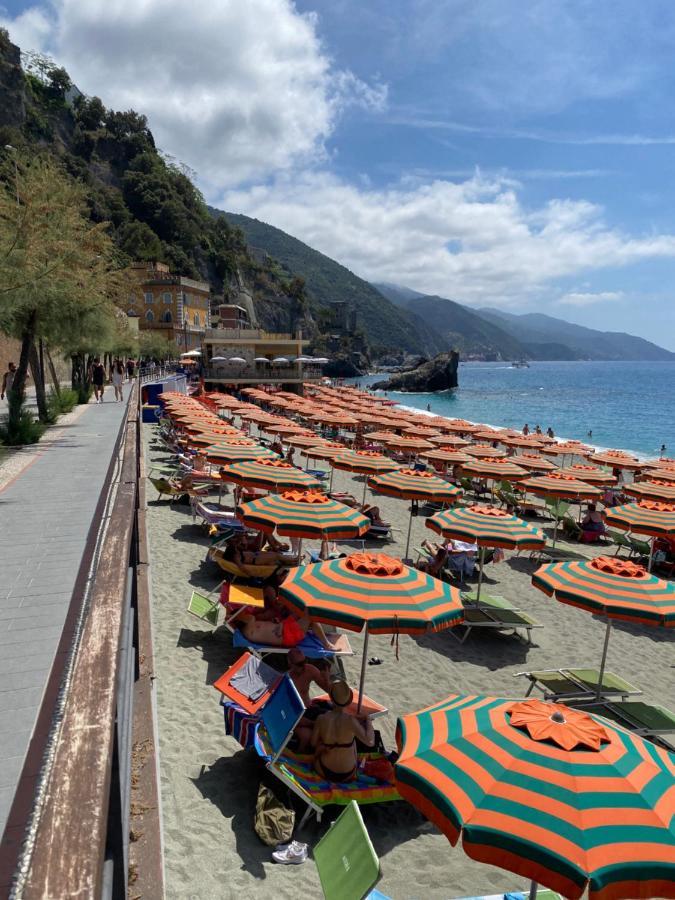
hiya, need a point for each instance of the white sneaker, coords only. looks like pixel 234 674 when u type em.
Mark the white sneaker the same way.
pixel 292 855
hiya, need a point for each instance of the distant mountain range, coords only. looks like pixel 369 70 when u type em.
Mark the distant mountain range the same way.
pixel 490 333
pixel 395 317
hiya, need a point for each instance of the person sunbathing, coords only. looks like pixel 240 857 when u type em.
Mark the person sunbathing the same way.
pixel 241 557
pixel 287 633
pixel 335 734
pixel 373 513
pixel 462 557
pixel 438 558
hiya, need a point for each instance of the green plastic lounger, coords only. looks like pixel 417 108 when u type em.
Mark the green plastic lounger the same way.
pixel 345 858
pixel 578 684
pixel 646 719
pixel 497 616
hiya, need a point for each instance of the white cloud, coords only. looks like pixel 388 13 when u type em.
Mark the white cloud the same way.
pixel 235 89
pixel 574 298
pixel 471 241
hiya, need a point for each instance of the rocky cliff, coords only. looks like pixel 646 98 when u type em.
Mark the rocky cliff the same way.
pixel 437 374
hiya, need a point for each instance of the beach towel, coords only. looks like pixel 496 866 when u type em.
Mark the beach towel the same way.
pixel 310 645
pixel 254 678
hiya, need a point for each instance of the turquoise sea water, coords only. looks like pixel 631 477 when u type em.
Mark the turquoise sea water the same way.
pixel 627 405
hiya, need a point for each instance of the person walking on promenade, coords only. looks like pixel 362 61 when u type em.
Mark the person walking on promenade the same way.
pixel 8 380
pixel 97 378
pixel 117 379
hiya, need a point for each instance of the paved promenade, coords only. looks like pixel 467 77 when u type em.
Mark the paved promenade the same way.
pixel 45 516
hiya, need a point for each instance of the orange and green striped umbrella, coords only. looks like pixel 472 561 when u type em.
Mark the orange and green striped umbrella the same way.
pixel 274 475
pixel 502 469
pixel 485 451
pixel 286 428
pixel 412 484
pixel 663 473
pixel 566 487
pixel 304 514
pixel 324 450
pixel 652 489
pixel 304 440
pixel 448 440
pixel 524 440
pixel 534 462
pixel 590 474
pixel 363 462
pixel 449 457
pixel 651 517
pixel 237 451
pixel 553 794
pixel 375 592
pixel 617 459
pixel 486 526
pixel 405 443
pixel 611 587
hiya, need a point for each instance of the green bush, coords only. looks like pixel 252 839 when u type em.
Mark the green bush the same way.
pixel 27 429
pixel 58 404
pixel 84 392
pixel 68 400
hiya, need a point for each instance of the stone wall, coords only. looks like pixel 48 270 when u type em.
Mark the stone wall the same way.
pixel 10 350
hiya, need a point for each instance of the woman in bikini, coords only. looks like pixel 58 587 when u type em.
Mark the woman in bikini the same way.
pixel 334 737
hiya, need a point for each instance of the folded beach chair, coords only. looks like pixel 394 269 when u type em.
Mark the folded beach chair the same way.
pixel 246 687
pixel 578 684
pixel 496 614
pixel 280 715
pixel 345 858
pixel 214 514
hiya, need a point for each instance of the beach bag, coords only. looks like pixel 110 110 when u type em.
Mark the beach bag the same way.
pixel 380 768
pixel 273 821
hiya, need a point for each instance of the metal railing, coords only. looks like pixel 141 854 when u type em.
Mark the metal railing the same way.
pixel 78 832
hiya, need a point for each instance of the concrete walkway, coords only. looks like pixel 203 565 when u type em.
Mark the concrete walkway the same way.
pixel 45 517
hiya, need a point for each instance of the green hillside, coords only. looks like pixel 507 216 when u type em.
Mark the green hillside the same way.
pixel 387 327
pixel 457 325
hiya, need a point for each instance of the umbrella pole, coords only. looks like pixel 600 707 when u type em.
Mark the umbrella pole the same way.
pixel 533 890
pixel 330 483
pixel 604 657
pixel 363 671
pixel 407 545
pixel 365 488
pixel 651 555
pixel 480 572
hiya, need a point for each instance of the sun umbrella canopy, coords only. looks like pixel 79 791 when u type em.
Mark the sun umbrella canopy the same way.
pixel 612 587
pixel 650 517
pixel 534 462
pixel 237 451
pixel 304 514
pixel 548 792
pixel 563 486
pixel 618 459
pixel 487 526
pixel 591 474
pixel 365 462
pixel 403 442
pixel 269 474
pixel 375 591
pixel 326 450
pixel 652 489
pixel 502 469
pixel 484 451
pixel 448 440
pixel 412 484
pixel 452 457
pixel 462 426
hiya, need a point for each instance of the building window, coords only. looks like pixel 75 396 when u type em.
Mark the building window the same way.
pixel 149 297
pixel 196 319
pixel 166 297
pixel 132 300
pixel 150 316
pixel 167 316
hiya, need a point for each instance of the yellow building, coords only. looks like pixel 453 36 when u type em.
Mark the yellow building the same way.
pixel 173 305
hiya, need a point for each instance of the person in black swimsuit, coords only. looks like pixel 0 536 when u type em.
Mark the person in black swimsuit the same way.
pixel 334 737
pixel 97 377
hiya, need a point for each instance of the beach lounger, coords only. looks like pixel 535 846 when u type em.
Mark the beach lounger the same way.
pixel 345 858
pixel 310 645
pixel 214 514
pixel 542 894
pixel 241 710
pixel 279 716
pixel 164 488
pixel 578 684
pixel 230 597
pixel 495 614
pixel 647 720
pixel 247 573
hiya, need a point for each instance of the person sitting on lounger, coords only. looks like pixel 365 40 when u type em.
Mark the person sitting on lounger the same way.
pixel 303 675
pixel 439 556
pixel 335 734
pixel 462 557
pixel 241 557
pixel 373 513
pixel 592 521
pixel 287 633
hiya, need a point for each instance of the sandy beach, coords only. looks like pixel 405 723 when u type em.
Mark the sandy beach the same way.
pixel 209 784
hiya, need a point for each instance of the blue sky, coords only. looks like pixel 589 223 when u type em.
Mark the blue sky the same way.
pixel 508 153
